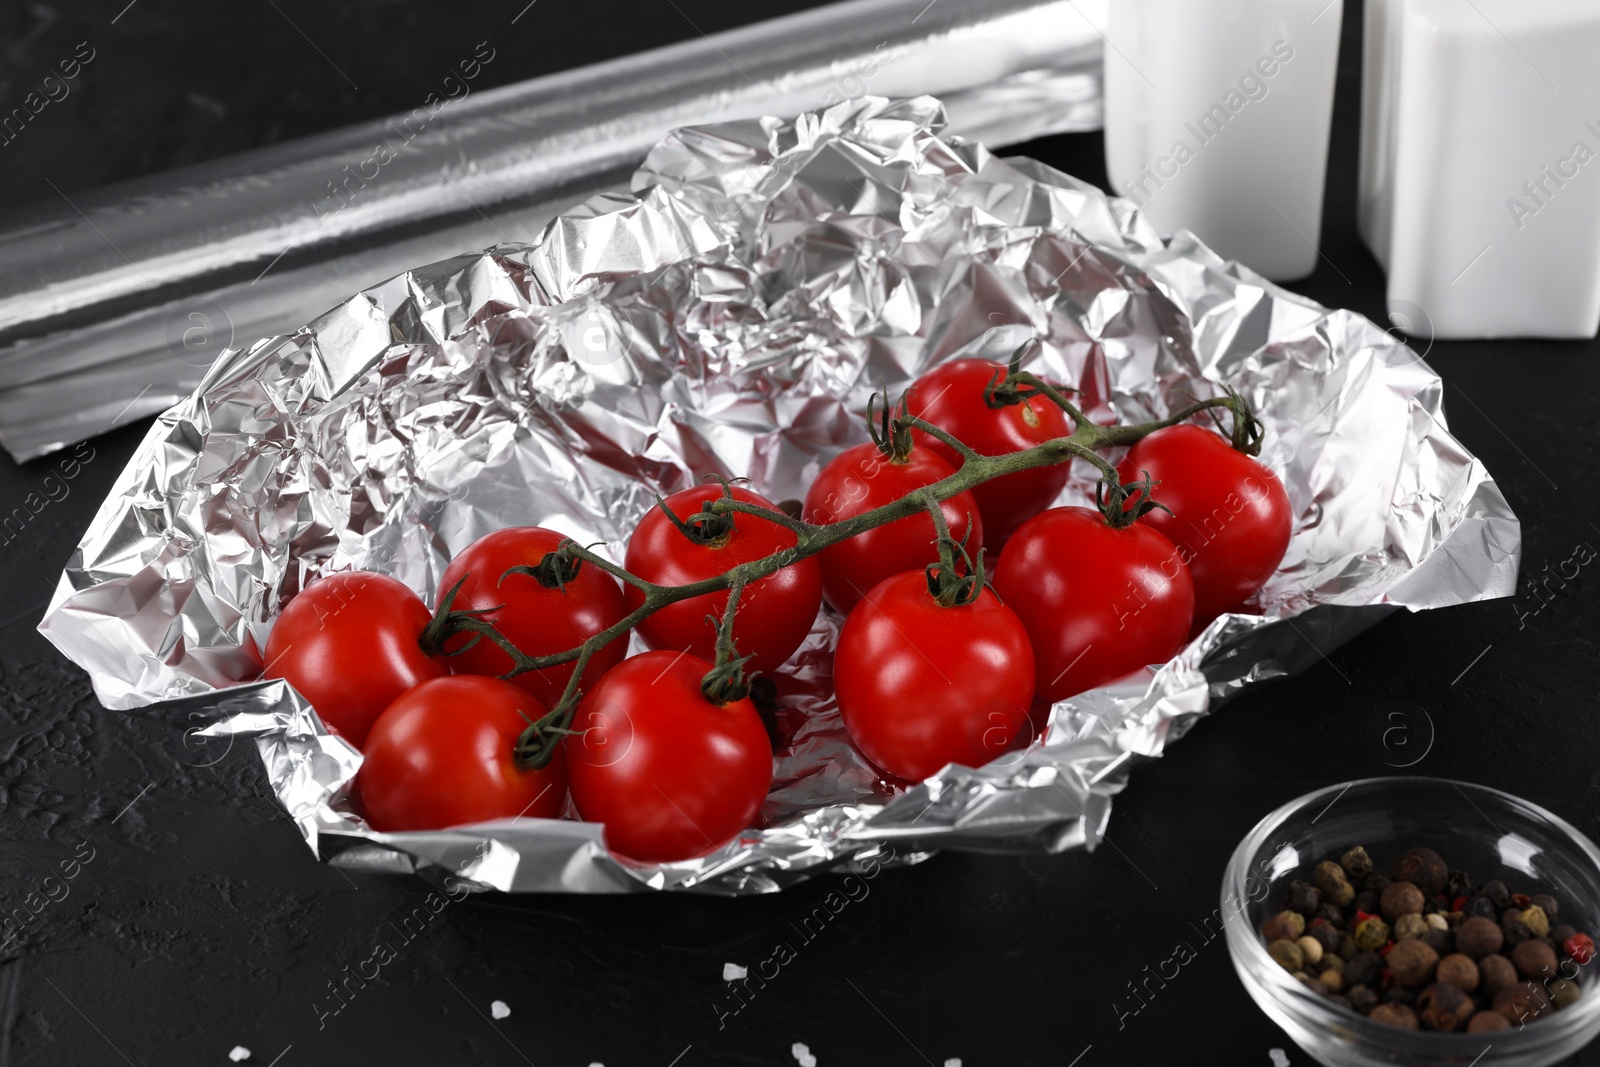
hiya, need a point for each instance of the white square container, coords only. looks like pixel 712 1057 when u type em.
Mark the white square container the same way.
pixel 1217 117
pixel 1480 167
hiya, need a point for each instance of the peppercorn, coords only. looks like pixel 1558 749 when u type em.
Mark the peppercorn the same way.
pixel 1413 963
pixel 1341 894
pixel 1362 969
pixel 1547 904
pixel 1515 932
pixel 1441 941
pixel 1564 993
pixel 1401 898
pixel 1376 882
pixel 1458 885
pixel 1535 919
pixel 1496 972
pixel 1313 984
pixel 1347 946
pixel 1304 898
pixel 1534 959
pixel 1580 948
pixel 1284 926
pixel 1481 908
pixel 1326 875
pixel 1286 954
pixel 1327 936
pixel 1362 998
pixel 1310 950
pixel 1356 863
pixel 1497 893
pixel 1332 980
pixel 1455 918
pixel 1331 913
pixel 1332 960
pixel 1561 933
pixel 1399 994
pixel 1483 1022
pixel 1521 1002
pixel 1437 921
pixel 1408 927
pixel 1371 934
pixel 1459 971
pixel 1477 937
pixel 1423 868
pixel 1443 1007
pixel 1397 1015
pixel 1366 901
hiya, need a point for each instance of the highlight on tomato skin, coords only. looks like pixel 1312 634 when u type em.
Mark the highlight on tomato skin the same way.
pixel 1226 512
pixel 921 685
pixel 670 774
pixel 444 754
pixel 349 644
pixel 536 619
pixel 1098 602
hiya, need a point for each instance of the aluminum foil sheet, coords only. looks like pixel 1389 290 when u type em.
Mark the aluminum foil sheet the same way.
pixel 730 316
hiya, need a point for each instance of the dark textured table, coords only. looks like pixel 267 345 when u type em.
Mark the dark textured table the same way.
pixel 196 920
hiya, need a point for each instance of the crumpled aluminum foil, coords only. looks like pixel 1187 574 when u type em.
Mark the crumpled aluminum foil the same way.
pixel 731 318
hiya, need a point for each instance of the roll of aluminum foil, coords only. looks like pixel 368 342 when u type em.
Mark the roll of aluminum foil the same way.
pixel 730 317
pixel 113 303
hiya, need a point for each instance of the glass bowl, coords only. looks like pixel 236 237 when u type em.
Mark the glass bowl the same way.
pixel 1485 832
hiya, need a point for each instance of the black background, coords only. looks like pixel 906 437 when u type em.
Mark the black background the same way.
pixel 202 922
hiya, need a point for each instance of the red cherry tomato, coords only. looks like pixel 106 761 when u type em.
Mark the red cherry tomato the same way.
pixel 863 478
pixel 348 643
pixel 1230 516
pixel 443 754
pixel 921 685
pixel 669 773
pixel 538 620
pixel 1097 602
pixel 774 614
pixel 951 397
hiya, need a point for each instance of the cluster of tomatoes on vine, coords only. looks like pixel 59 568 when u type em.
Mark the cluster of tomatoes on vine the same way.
pixel 472 713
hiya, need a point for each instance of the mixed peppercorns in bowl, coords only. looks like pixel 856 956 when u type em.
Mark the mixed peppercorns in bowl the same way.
pixel 1420 946
pixel 1351 930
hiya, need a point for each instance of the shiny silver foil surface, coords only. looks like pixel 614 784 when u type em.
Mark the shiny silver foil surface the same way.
pixel 731 316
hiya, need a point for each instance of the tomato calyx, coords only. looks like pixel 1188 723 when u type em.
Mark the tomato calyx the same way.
pixel 710 526
pixel 726 681
pixel 448 621
pixel 1247 431
pixel 553 571
pixel 1021 386
pixel 894 437
pixel 1124 504
pixel 536 745
pixel 955 579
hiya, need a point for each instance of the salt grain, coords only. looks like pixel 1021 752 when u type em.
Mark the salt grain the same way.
pixel 239 1053
pixel 732 972
pixel 499 1009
